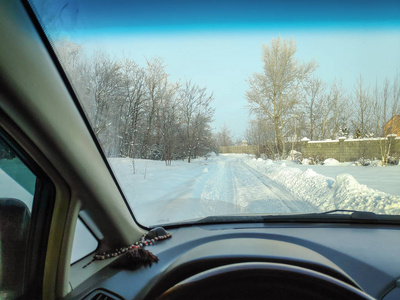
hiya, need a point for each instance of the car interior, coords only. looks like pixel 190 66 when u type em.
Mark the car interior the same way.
pixel 71 184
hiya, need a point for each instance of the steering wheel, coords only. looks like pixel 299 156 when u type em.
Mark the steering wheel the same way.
pixel 262 281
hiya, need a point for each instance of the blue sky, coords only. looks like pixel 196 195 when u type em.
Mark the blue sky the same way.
pixel 217 44
pixel 223 61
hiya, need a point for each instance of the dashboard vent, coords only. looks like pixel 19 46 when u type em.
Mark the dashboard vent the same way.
pixel 102 295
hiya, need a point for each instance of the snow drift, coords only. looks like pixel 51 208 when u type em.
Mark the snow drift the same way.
pixel 343 192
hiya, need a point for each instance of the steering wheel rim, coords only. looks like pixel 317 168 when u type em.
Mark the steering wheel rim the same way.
pixel 260 280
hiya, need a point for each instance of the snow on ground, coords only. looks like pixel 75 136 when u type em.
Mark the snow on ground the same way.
pixel 237 183
pixel 160 194
pixel 331 162
pixel 385 179
pixel 327 193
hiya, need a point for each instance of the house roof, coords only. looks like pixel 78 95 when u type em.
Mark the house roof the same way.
pixel 393 125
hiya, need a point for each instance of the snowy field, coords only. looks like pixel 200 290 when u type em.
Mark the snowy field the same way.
pixel 238 183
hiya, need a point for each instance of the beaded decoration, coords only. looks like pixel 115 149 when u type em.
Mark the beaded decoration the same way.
pixel 134 256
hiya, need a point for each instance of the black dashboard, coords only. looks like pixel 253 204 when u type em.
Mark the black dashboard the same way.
pixel 363 256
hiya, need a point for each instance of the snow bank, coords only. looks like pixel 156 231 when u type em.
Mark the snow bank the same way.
pixel 325 193
pixel 307 161
pixel 331 162
pixel 376 163
pixel 349 194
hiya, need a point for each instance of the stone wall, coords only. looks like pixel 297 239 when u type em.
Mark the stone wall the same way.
pixel 241 149
pixel 342 149
pixel 352 149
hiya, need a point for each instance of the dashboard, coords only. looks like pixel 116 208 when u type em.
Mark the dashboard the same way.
pixel 362 256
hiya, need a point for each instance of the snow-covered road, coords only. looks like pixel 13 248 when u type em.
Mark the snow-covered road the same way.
pixel 231 180
pixel 236 184
pixel 225 186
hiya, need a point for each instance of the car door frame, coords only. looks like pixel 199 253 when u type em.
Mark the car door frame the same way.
pixel 40 111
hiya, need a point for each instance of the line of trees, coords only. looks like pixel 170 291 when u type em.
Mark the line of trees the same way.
pixel 137 111
pixel 289 101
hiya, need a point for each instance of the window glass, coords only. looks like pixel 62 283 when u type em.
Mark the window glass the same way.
pixel 16 180
pixel 17 189
pixel 237 108
pixel 84 242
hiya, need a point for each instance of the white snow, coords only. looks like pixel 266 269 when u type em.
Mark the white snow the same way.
pixel 326 193
pixel 238 183
pixel 325 141
pixel 385 179
pixel 306 161
pixel 331 162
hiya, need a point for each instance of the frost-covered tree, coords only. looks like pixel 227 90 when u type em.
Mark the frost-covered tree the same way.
pixel 274 93
pixel 363 109
pixel 261 132
pixel 156 84
pixel 136 111
pixel 315 108
pixel 196 115
pixel 224 136
pixel 105 88
pixel 131 110
pixel 169 122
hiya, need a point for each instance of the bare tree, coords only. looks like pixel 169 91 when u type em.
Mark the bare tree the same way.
pixel 137 111
pixel 132 109
pixel 196 115
pixel 362 105
pixel 169 121
pixel 261 132
pixel 156 87
pixel 77 68
pixel 104 85
pixel 337 113
pixel 224 137
pixel 274 93
pixel 315 105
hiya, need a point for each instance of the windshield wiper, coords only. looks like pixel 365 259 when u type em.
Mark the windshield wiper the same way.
pixel 331 216
pixel 336 216
pixel 355 214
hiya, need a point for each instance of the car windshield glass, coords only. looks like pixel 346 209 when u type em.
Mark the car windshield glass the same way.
pixel 238 108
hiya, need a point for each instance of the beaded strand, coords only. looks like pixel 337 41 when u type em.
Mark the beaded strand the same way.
pixel 140 244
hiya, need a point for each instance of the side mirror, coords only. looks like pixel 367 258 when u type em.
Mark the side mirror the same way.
pixel 14 228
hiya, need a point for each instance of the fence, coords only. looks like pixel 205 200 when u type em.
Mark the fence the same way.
pixel 342 149
pixel 352 149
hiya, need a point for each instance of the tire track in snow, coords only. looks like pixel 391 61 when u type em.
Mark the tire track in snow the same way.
pixel 235 182
pixel 281 193
pixel 228 186
pixel 208 193
pixel 219 186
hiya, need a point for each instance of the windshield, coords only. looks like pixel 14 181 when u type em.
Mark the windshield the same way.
pixel 231 108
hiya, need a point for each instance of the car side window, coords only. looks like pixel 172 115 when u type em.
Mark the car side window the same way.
pixel 17 192
pixel 84 242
